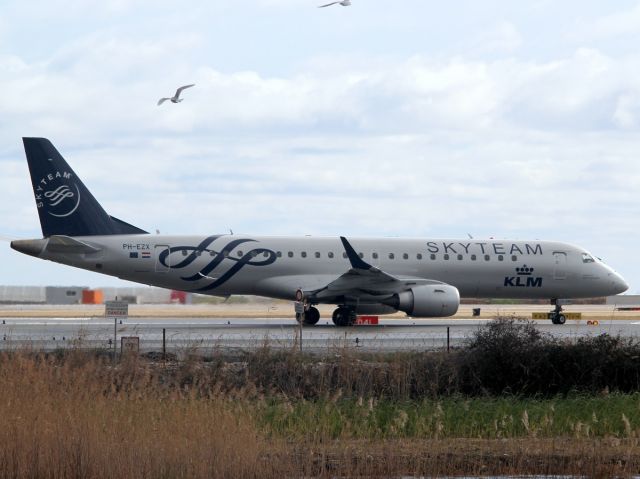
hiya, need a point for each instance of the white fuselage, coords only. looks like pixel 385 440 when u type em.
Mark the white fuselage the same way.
pixel 278 266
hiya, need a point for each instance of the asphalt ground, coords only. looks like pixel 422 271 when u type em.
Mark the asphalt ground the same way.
pixel 285 310
pixel 190 330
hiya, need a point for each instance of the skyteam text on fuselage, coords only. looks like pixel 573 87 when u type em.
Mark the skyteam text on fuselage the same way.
pixel 421 277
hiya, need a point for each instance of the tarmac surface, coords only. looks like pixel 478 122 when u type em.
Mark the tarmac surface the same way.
pixel 189 330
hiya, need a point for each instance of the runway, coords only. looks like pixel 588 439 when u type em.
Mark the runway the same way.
pixel 207 335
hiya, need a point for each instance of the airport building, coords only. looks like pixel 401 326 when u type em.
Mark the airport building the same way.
pixel 85 295
pixel 624 300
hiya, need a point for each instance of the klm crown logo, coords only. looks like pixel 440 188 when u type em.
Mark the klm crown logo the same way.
pixel 525 271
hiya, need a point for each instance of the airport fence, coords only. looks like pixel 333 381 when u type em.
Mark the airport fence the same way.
pixel 505 356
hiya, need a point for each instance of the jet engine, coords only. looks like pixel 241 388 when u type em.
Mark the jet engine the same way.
pixel 428 301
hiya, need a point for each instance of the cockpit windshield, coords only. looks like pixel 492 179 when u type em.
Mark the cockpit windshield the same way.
pixel 587 258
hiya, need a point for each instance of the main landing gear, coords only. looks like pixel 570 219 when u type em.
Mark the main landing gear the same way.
pixel 344 316
pixel 309 317
pixel 556 315
pixel 305 313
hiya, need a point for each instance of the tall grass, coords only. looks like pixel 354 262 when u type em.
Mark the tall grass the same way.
pixel 488 418
pixel 274 414
pixel 79 417
pixel 76 415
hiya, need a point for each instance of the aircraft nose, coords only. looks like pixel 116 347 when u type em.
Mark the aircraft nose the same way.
pixel 619 284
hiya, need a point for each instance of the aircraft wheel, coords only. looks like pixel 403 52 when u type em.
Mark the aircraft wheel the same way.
pixel 337 317
pixel 311 316
pixel 561 319
pixel 344 317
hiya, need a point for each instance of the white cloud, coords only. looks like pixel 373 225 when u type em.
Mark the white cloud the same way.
pixel 618 23
pixel 361 143
pixel 502 38
pixel 627 111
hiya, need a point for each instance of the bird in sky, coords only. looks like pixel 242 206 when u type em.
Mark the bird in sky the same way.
pixel 344 3
pixel 175 98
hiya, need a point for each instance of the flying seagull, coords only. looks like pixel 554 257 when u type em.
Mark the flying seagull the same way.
pixel 175 98
pixel 344 3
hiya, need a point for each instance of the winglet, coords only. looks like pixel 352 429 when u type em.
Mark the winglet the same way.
pixel 356 261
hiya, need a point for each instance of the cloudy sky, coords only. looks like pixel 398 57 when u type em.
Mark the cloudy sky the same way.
pixel 409 118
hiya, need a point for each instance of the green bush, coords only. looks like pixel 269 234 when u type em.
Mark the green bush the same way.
pixel 512 356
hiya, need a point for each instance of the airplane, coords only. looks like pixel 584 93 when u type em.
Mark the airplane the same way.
pixel 421 277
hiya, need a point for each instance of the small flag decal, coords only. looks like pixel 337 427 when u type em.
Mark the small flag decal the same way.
pixel 146 254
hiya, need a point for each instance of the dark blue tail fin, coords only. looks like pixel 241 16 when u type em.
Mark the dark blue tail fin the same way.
pixel 65 205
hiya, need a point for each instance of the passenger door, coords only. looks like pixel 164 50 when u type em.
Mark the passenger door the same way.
pixel 560 265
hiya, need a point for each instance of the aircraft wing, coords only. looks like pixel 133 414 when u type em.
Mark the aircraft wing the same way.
pixel 363 279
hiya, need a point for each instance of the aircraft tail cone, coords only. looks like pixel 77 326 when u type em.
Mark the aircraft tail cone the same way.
pixel 32 247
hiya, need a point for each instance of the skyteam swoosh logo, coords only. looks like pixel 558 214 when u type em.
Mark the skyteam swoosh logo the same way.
pixel 64 196
pixel 218 259
pixel 57 193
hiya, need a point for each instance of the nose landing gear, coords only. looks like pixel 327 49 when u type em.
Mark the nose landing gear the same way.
pixel 556 315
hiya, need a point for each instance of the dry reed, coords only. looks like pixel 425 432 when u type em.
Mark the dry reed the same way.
pixel 77 415
pixel 80 417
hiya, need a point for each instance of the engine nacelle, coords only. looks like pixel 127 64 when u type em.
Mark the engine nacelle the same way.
pixel 428 301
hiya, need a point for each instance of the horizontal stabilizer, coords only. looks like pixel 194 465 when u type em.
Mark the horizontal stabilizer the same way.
pixel 68 245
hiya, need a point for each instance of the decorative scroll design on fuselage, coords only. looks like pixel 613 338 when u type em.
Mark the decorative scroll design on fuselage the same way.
pixel 250 258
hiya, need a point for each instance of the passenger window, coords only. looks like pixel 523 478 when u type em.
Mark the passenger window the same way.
pixel 317 254
pixel 375 255
pixel 303 254
pixel 361 255
pixel 330 254
pixel 433 256
pixel 487 257
pixel 212 253
pixel 184 252
pixel 514 258
pixel 344 255
pixel 198 253
pixel 253 254
pixel 473 257
pixel 240 254
pixel 290 254
pixel 405 256
pixel 279 254
pixel 446 257
pixel 391 256
pixel 419 256
pixel 459 257
pixel 500 257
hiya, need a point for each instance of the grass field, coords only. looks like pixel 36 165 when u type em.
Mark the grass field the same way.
pixel 78 415
pixel 450 418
